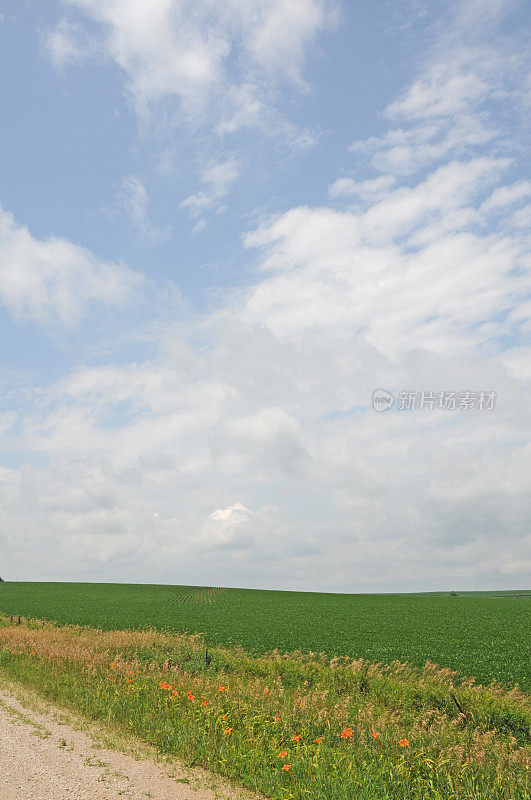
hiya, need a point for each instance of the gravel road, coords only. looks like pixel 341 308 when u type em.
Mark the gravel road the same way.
pixel 45 757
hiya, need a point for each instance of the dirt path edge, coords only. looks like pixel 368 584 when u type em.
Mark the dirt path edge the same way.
pixel 47 753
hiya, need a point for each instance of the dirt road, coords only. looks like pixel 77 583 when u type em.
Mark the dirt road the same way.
pixel 47 755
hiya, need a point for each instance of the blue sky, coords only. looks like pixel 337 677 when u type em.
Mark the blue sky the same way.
pixel 221 229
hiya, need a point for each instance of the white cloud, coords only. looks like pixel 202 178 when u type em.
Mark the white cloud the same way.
pixel 366 190
pixel 229 528
pixel 68 43
pixel 244 451
pixel 405 151
pixel 507 195
pixel 401 273
pixel 449 88
pixel 205 55
pixel 133 200
pixel 218 178
pixel 469 93
pixel 53 280
pixel 521 218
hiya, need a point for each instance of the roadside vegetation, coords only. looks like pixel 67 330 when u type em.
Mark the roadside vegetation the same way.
pixel 289 726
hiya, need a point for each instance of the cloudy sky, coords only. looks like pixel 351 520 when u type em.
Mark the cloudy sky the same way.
pixel 222 227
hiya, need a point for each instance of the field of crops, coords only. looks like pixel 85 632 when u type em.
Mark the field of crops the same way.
pixel 484 635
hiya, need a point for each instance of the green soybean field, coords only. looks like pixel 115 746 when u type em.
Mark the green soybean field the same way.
pixel 484 635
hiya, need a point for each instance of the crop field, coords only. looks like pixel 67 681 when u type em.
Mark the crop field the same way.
pixel 484 635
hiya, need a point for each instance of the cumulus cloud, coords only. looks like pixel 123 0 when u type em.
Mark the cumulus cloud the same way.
pixel 53 280
pixel 229 528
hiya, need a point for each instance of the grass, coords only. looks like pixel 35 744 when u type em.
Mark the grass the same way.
pixel 345 728
pixel 483 634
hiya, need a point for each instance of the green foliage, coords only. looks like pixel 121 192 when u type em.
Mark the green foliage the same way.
pixel 484 635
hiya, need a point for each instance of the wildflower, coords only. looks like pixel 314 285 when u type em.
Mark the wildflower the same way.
pixel 346 733
pixel 174 693
pixel 129 672
pixel 319 739
pixel 403 742
pixel 227 730
pixel 224 716
pixel 266 690
pixel 222 689
pixel 282 754
pixel 375 735
pixel 296 738
pixel 204 703
pixel 276 719
pixel 286 767
pixel 190 696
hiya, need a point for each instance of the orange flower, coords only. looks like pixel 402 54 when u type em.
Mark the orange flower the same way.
pixel 375 735
pixel 204 703
pixel 283 754
pixel 286 767
pixel 224 716
pixel 227 730
pixel 129 672
pixel 319 739
pixel 266 690
pixel 346 733
pixel 175 694
pixel 276 719
pixel 403 742
pixel 190 696
pixel 112 664
pixel 222 689
pixel 296 738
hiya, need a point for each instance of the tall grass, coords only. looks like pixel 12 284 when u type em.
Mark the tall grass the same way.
pixel 289 726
